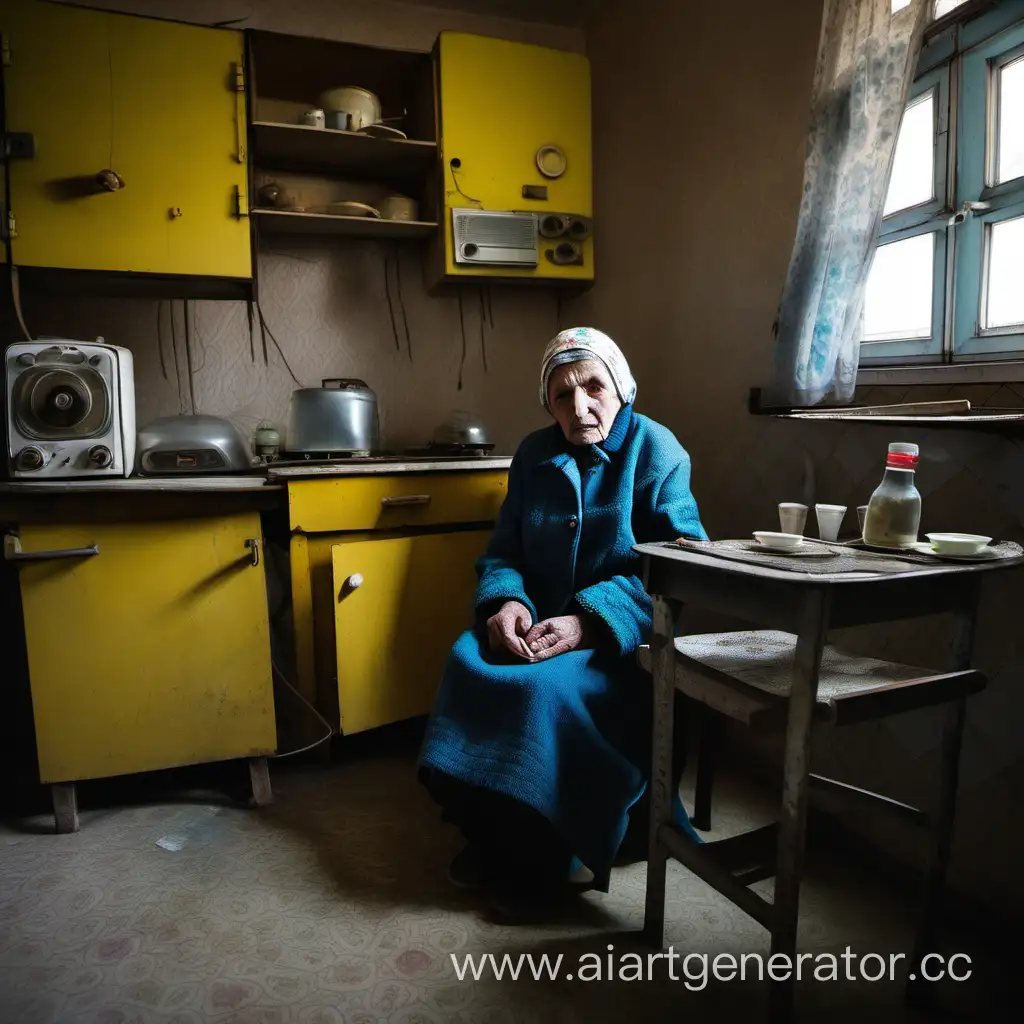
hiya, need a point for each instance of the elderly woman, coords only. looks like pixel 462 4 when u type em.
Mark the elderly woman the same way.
pixel 538 746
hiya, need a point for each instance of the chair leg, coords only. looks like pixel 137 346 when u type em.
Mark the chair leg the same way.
pixel 710 725
pixel 940 842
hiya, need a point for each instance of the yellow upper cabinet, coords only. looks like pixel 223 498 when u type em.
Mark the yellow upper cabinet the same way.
pixel 500 103
pixel 156 102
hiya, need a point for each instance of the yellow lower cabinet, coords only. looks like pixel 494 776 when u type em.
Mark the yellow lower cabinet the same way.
pixel 153 653
pixel 400 604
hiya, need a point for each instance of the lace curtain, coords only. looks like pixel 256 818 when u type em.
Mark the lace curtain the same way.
pixel 866 61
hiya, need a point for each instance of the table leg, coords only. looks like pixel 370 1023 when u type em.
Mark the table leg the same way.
pixel 941 837
pixel 663 681
pixel 65 807
pixel 796 769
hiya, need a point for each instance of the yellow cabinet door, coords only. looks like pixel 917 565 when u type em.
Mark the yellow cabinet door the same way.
pixel 154 101
pixel 394 629
pixel 499 103
pixel 155 652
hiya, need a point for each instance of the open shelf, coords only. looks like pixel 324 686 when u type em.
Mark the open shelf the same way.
pixel 294 223
pixel 328 149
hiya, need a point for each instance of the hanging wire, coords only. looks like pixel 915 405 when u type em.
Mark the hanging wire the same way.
pixel 12 271
pixel 160 339
pixel 282 678
pixel 174 352
pixel 483 338
pixel 401 300
pixel 454 166
pixel 266 330
pixel 252 335
pixel 490 306
pixel 198 339
pixel 188 355
pixel 462 325
pixel 391 307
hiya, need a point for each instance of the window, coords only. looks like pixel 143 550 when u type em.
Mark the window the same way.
pixel 947 281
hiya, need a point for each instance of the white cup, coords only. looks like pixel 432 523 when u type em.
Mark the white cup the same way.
pixel 862 511
pixel 830 518
pixel 792 517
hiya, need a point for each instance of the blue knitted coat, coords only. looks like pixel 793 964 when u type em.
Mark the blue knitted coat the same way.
pixel 569 736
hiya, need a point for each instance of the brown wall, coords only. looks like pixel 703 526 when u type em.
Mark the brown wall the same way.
pixel 700 113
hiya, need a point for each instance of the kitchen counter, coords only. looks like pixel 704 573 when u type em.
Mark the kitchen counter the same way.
pixel 136 499
pixel 366 467
pixel 246 482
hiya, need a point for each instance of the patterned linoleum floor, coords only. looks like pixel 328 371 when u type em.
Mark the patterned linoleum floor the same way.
pixel 332 906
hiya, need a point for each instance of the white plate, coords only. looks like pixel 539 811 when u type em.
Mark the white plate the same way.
pixel 382 131
pixel 348 208
pixel 984 555
pixel 810 550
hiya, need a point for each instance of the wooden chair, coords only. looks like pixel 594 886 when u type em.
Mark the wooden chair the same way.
pixel 746 676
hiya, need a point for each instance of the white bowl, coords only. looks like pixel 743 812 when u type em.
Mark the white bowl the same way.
pixel 778 541
pixel 958 543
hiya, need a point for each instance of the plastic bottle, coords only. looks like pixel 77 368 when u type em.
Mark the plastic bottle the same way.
pixel 894 512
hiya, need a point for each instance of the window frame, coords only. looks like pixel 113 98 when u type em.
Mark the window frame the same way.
pixel 976 183
pixel 962 63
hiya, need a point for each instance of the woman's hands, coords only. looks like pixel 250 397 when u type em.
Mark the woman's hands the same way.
pixel 508 628
pixel 512 629
pixel 559 635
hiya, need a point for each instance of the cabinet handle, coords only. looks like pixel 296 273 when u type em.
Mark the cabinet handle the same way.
pixel 254 549
pixel 13 552
pixel 406 499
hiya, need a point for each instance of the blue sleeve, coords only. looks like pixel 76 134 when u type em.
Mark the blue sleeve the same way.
pixel 500 577
pixel 621 601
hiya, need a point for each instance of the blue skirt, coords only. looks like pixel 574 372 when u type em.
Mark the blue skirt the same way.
pixel 569 737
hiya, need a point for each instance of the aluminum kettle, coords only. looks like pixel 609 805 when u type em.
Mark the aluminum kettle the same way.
pixel 338 416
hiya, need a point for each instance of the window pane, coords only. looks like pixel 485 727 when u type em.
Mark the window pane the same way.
pixel 943 7
pixel 1005 259
pixel 913 170
pixel 1011 121
pixel 898 301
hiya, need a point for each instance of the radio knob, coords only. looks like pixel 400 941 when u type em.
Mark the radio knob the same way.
pixel 100 457
pixel 30 458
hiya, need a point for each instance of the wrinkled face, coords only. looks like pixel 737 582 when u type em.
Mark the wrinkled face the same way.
pixel 583 399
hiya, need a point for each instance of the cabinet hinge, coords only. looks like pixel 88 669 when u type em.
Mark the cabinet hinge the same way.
pixel 17 145
pixel 241 202
pixel 240 120
pixel 5 52
pixel 8 228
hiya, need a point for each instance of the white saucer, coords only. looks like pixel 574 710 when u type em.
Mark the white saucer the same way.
pixel 804 551
pixel 986 554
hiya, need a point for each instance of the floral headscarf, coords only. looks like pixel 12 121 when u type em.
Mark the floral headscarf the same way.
pixel 579 343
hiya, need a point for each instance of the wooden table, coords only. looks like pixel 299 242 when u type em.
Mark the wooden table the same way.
pixel 808 606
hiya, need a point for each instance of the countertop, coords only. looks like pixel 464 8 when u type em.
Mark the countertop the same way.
pixel 273 478
pixel 366 468
pixel 116 485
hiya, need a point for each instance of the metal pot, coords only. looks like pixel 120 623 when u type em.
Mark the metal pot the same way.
pixel 350 108
pixel 339 416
